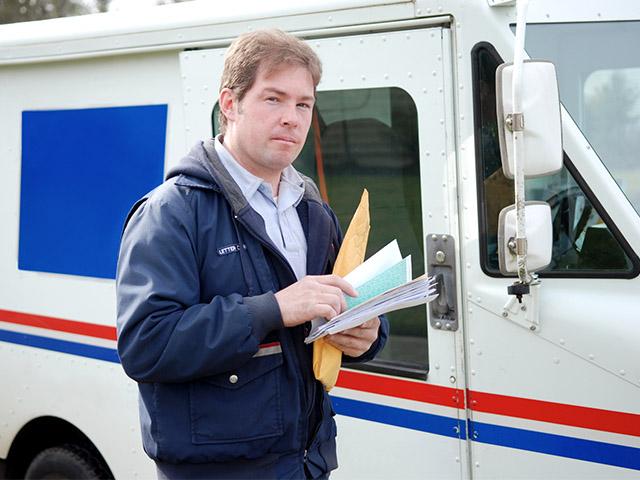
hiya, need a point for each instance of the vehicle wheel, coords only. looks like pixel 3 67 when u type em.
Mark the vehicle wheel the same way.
pixel 65 462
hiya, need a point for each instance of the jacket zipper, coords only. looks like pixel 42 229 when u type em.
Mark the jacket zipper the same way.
pixel 310 395
pixel 316 429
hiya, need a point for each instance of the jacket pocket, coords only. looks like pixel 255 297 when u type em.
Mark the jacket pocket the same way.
pixel 239 405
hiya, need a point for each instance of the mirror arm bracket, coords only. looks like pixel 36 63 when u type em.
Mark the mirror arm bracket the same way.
pixel 521 246
pixel 524 311
pixel 514 122
pixel 517 246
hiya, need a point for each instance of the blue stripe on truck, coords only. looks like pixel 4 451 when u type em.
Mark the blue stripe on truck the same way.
pixel 64 346
pixel 400 417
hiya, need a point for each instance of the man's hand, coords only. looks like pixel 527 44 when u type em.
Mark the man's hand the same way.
pixel 312 297
pixel 357 340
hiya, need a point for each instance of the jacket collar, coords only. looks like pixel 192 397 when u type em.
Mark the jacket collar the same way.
pixel 222 181
pixel 318 228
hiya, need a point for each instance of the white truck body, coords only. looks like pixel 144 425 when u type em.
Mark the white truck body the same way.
pixel 490 399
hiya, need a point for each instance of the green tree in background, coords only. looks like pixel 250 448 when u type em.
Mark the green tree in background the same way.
pixel 12 11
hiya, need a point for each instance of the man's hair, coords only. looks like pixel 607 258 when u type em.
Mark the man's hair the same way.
pixel 269 49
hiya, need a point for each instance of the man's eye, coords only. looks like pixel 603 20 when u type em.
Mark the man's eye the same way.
pixel 272 99
pixel 304 105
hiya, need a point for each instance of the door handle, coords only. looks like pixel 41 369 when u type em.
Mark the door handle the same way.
pixel 441 264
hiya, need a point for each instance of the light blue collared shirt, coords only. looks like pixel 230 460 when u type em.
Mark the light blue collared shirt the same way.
pixel 279 214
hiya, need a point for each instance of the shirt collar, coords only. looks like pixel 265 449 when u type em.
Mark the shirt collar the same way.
pixel 291 187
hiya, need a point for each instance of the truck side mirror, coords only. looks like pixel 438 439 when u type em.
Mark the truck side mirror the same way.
pixel 539 237
pixel 540 118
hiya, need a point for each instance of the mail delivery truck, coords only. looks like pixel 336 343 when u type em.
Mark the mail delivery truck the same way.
pixel 526 366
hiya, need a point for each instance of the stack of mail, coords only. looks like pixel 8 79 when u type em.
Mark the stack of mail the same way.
pixel 384 284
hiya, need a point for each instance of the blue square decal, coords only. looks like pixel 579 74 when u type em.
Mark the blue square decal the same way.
pixel 82 170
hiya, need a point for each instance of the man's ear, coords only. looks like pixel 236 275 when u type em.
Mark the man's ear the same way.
pixel 228 103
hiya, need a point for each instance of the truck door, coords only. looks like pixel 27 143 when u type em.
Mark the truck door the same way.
pixel 383 122
pixel 559 399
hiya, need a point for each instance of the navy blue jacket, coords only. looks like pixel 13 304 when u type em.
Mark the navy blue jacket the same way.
pixel 222 382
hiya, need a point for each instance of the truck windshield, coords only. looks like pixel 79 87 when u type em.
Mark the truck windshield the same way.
pixel 598 69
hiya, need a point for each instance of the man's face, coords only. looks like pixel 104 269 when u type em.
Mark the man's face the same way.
pixel 267 129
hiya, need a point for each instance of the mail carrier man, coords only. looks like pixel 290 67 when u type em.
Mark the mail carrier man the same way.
pixel 221 269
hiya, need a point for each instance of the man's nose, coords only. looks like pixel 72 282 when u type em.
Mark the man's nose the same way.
pixel 290 115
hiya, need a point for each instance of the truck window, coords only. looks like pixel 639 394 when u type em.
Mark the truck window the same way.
pixel 369 139
pixel 600 87
pixel 585 242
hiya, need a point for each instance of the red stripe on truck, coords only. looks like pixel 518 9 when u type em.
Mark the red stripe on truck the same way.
pixel 58 324
pixel 407 389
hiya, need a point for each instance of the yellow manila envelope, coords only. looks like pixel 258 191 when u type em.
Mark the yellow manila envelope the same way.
pixel 326 357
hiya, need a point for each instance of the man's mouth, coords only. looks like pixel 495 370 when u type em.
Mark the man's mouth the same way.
pixel 285 139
